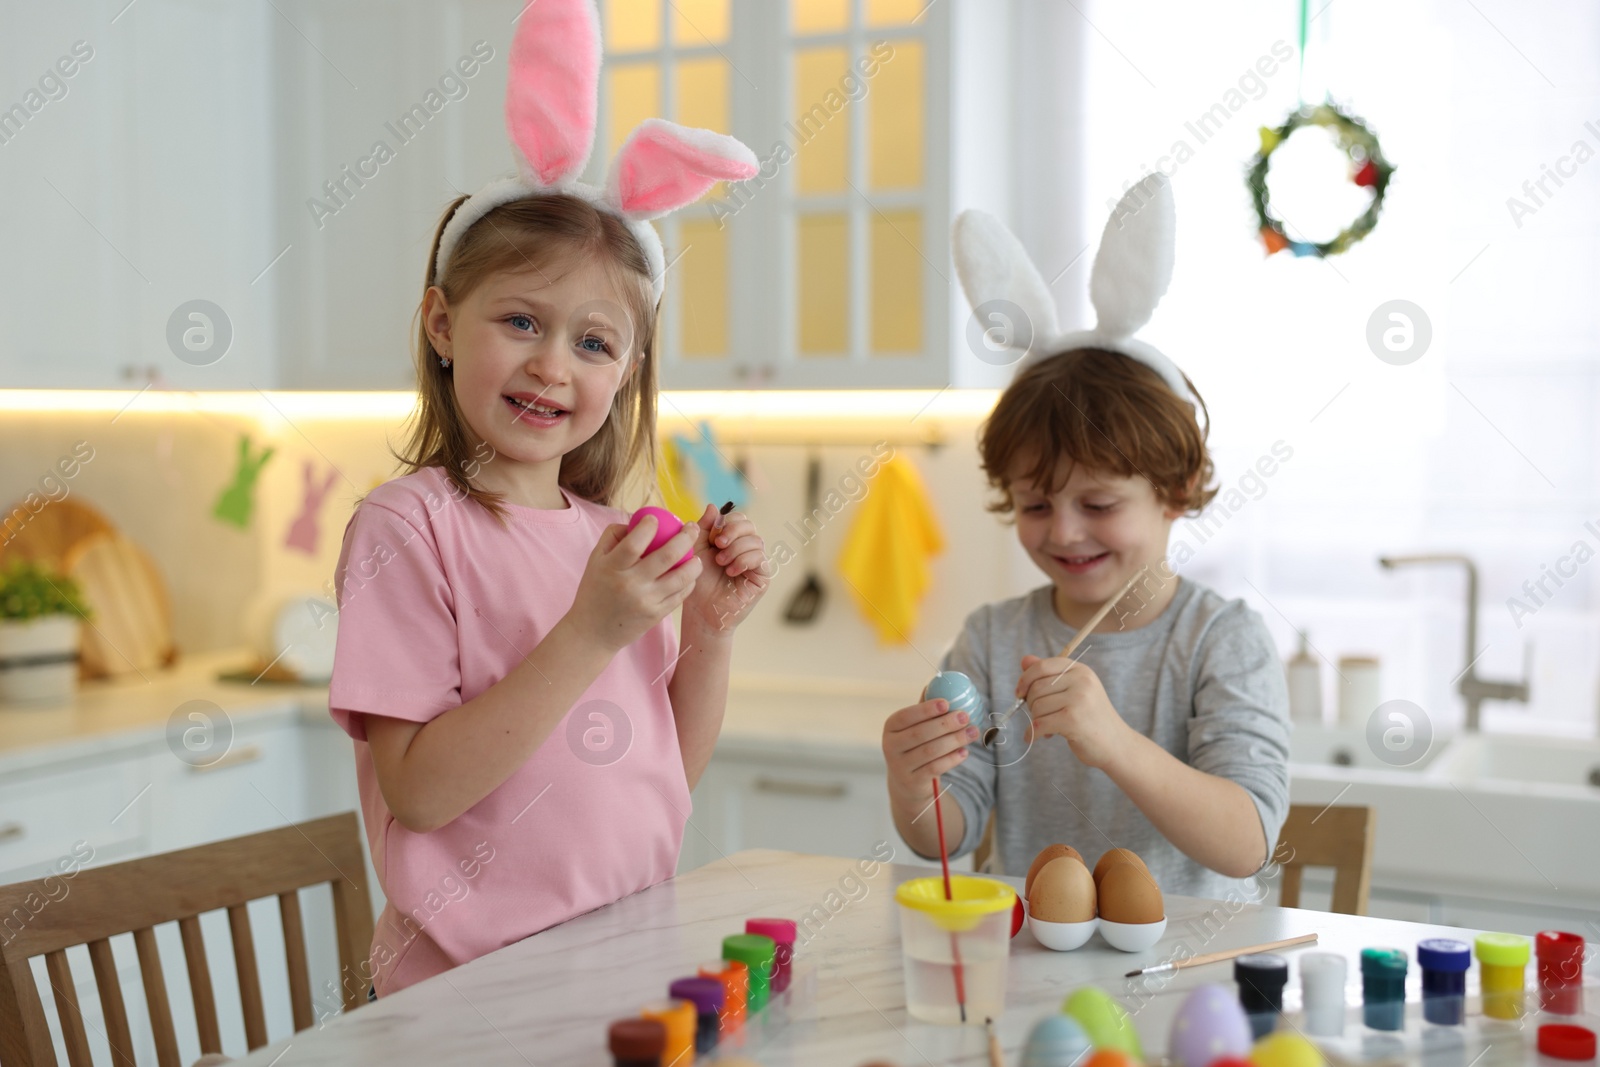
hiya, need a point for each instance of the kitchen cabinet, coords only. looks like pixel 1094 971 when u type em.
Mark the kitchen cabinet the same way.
pixel 210 207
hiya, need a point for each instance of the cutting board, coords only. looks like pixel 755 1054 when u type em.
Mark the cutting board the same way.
pixel 48 536
pixel 130 629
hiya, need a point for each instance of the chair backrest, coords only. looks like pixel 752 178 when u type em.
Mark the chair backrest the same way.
pixel 135 896
pixel 1316 835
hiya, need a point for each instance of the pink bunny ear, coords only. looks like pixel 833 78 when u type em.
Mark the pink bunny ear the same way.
pixel 552 88
pixel 663 166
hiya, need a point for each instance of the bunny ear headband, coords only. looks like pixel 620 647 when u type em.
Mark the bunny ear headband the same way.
pixel 1131 273
pixel 551 101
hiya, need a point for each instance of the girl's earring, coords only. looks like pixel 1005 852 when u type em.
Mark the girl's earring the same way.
pixel 444 361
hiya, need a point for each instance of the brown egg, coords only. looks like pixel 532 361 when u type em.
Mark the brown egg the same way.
pixel 1063 892
pixel 1116 855
pixel 1046 854
pixel 1128 894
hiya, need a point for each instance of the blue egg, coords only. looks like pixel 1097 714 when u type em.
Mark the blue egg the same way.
pixel 1055 1041
pixel 958 689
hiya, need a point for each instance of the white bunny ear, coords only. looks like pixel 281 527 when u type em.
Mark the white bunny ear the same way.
pixel 552 88
pixel 663 166
pixel 1134 265
pixel 994 269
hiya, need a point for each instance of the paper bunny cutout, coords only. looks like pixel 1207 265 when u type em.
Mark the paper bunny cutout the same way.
pixel 1131 273
pixel 238 501
pixel 303 531
pixel 551 103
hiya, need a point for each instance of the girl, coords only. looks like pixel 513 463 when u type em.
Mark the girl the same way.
pixel 1169 733
pixel 528 725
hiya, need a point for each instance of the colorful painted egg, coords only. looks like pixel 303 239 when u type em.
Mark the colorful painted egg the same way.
pixel 1105 1020
pixel 958 690
pixel 1285 1048
pixel 1209 1025
pixel 1055 1041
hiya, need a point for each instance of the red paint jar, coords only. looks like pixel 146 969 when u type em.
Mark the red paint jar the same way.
pixel 1560 958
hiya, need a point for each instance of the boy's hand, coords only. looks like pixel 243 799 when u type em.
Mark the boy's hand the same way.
pixel 922 742
pixel 1066 699
pixel 735 572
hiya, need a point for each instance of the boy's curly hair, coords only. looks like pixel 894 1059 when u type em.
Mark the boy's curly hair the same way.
pixel 1106 411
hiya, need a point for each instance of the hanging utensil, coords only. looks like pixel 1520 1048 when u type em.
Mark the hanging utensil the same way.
pixel 807 600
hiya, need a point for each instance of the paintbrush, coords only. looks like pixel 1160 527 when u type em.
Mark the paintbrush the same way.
pixel 1225 954
pixel 998 724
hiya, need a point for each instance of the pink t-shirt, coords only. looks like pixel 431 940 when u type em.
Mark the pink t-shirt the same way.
pixel 437 602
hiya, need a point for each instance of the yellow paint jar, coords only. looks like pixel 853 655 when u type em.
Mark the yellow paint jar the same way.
pixel 1502 973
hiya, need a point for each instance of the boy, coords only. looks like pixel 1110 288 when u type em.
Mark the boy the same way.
pixel 1169 733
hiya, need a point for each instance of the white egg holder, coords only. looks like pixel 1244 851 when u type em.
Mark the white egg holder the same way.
pixel 1065 937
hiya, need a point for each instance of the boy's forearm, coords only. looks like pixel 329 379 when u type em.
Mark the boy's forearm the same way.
pixel 467 752
pixel 1211 820
pixel 699 694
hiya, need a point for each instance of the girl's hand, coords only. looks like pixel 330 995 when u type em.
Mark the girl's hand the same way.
pixel 1066 699
pixel 735 573
pixel 920 743
pixel 624 592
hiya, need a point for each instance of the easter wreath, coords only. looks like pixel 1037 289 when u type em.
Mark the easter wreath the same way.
pixel 1368 168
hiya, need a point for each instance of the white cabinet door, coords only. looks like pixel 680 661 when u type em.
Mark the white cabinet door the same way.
pixel 818 806
pixel 85 812
pixel 134 185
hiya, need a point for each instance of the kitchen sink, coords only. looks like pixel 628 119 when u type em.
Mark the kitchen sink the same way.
pixel 1347 746
pixel 1550 761
pixel 1500 816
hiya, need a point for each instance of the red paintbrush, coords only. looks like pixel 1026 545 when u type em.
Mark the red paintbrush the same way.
pixel 944 862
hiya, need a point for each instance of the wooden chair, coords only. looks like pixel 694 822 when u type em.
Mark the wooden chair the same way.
pixel 1338 837
pixel 135 896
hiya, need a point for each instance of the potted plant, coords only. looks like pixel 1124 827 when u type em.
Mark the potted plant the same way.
pixel 40 616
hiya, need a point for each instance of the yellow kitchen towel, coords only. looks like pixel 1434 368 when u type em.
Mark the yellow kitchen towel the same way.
pixel 885 556
pixel 674 484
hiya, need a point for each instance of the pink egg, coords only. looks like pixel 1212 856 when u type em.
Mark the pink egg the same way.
pixel 667 527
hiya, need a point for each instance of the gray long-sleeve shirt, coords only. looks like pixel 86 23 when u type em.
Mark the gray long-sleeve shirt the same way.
pixel 1202 680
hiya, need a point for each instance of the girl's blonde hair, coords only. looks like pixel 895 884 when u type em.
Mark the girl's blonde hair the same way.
pixel 547 233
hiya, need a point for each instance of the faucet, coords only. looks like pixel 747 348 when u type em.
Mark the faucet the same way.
pixel 1474 690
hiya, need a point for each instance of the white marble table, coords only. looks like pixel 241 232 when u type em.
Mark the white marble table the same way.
pixel 548 999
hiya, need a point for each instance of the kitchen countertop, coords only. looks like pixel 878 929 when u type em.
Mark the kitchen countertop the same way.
pixel 821 718
pixel 113 713
pixel 549 998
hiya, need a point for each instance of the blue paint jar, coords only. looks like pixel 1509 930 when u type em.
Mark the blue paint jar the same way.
pixel 1444 962
pixel 1383 988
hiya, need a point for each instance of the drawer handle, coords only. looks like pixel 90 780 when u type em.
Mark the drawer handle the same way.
pixel 11 831
pixel 249 753
pixel 790 787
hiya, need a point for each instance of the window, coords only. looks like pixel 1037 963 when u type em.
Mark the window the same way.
pixel 830 267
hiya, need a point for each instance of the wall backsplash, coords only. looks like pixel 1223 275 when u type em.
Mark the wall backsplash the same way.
pixel 1285 542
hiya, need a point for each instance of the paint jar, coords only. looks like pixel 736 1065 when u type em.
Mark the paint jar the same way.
pixel 734 978
pixel 782 932
pixel 707 997
pixel 678 1016
pixel 1261 978
pixel 756 952
pixel 955 951
pixel 1560 972
pixel 1322 978
pixel 637 1042
pixel 1383 988
pixel 1444 962
pixel 1502 973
